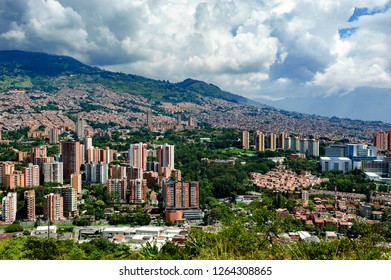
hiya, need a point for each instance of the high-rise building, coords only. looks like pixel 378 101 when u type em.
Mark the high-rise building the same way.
pixel 181 195
pixel 259 141
pixel 117 172
pixel 166 156
pixel 71 158
pixel 287 143
pixel 118 189
pixel 14 180
pixel 190 122
pixel 303 146
pixel 6 168
pixel 80 125
pixel 31 175
pixel 76 182
pixel 382 140
pixel 53 135
pixel 138 190
pixel 9 206
pixel 29 204
pixel 53 207
pixel 149 118
pixel 88 142
pixel 245 140
pixel 179 121
pixel 53 172
pixel 281 140
pixel 38 152
pixel 271 143
pixel 138 155
pixel 69 196
pixel 97 172
pixel 313 147
pixel 295 144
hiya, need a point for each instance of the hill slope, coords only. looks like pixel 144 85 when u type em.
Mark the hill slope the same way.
pixel 40 71
pixel 58 86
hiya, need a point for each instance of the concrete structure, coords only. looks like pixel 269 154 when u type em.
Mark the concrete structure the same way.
pixel 336 163
pixel 53 207
pixel 31 175
pixel 69 196
pixel 9 207
pixel 76 182
pixel 80 125
pixel 138 157
pixel 14 180
pixel 181 195
pixel 271 142
pixel 71 157
pixel 29 204
pixel 382 140
pixel 97 172
pixel 53 172
pixel 259 141
pixel 166 156
pixel 53 135
pixel 138 190
pixel 6 168
pixel 118 189
pixel 245 140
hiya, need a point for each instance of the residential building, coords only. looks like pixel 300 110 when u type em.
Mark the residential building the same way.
pixel 53 135
pixel 181 195
pixel 166 156
pixel 69 195
pixel 97 172
pixel 14 180
pixel 29 204
pixel 118 189
pixel 31 175
pixel 76 182
pixel 382 140
pixel 271 142
pixel 53 172
pixel 80 125
pixel 53 207
pixel 6 168
pixel 138 154
pixel 9 207
pixel 71 158
pixel 245 140
pixel 138 190
pixel 259 141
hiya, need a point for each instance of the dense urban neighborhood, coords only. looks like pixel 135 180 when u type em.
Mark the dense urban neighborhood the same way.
pixel 101 165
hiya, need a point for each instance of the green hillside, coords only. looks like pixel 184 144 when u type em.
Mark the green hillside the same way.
pixel 40 71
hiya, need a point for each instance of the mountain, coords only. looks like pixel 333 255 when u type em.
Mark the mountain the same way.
pixel 359 104
pixel 38 89
pixel 41 71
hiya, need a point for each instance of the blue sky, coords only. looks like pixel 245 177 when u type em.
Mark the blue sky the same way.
pixel 272 49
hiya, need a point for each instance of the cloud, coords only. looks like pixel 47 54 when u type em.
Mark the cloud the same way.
pixel 276 48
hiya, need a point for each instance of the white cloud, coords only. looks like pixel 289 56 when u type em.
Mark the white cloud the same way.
pixel 276 48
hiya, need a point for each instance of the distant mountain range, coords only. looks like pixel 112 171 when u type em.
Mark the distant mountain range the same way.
pixel 61 83
pixel 359 104
pixel 41 71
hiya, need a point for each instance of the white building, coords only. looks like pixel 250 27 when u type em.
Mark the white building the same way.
pixel 9 208
pixel 53 172
pixel 336 163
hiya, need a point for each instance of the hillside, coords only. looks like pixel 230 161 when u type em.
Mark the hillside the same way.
pixel 52 90
pixel 40 71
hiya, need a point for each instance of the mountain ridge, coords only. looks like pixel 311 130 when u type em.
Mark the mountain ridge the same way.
pixel 63 84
